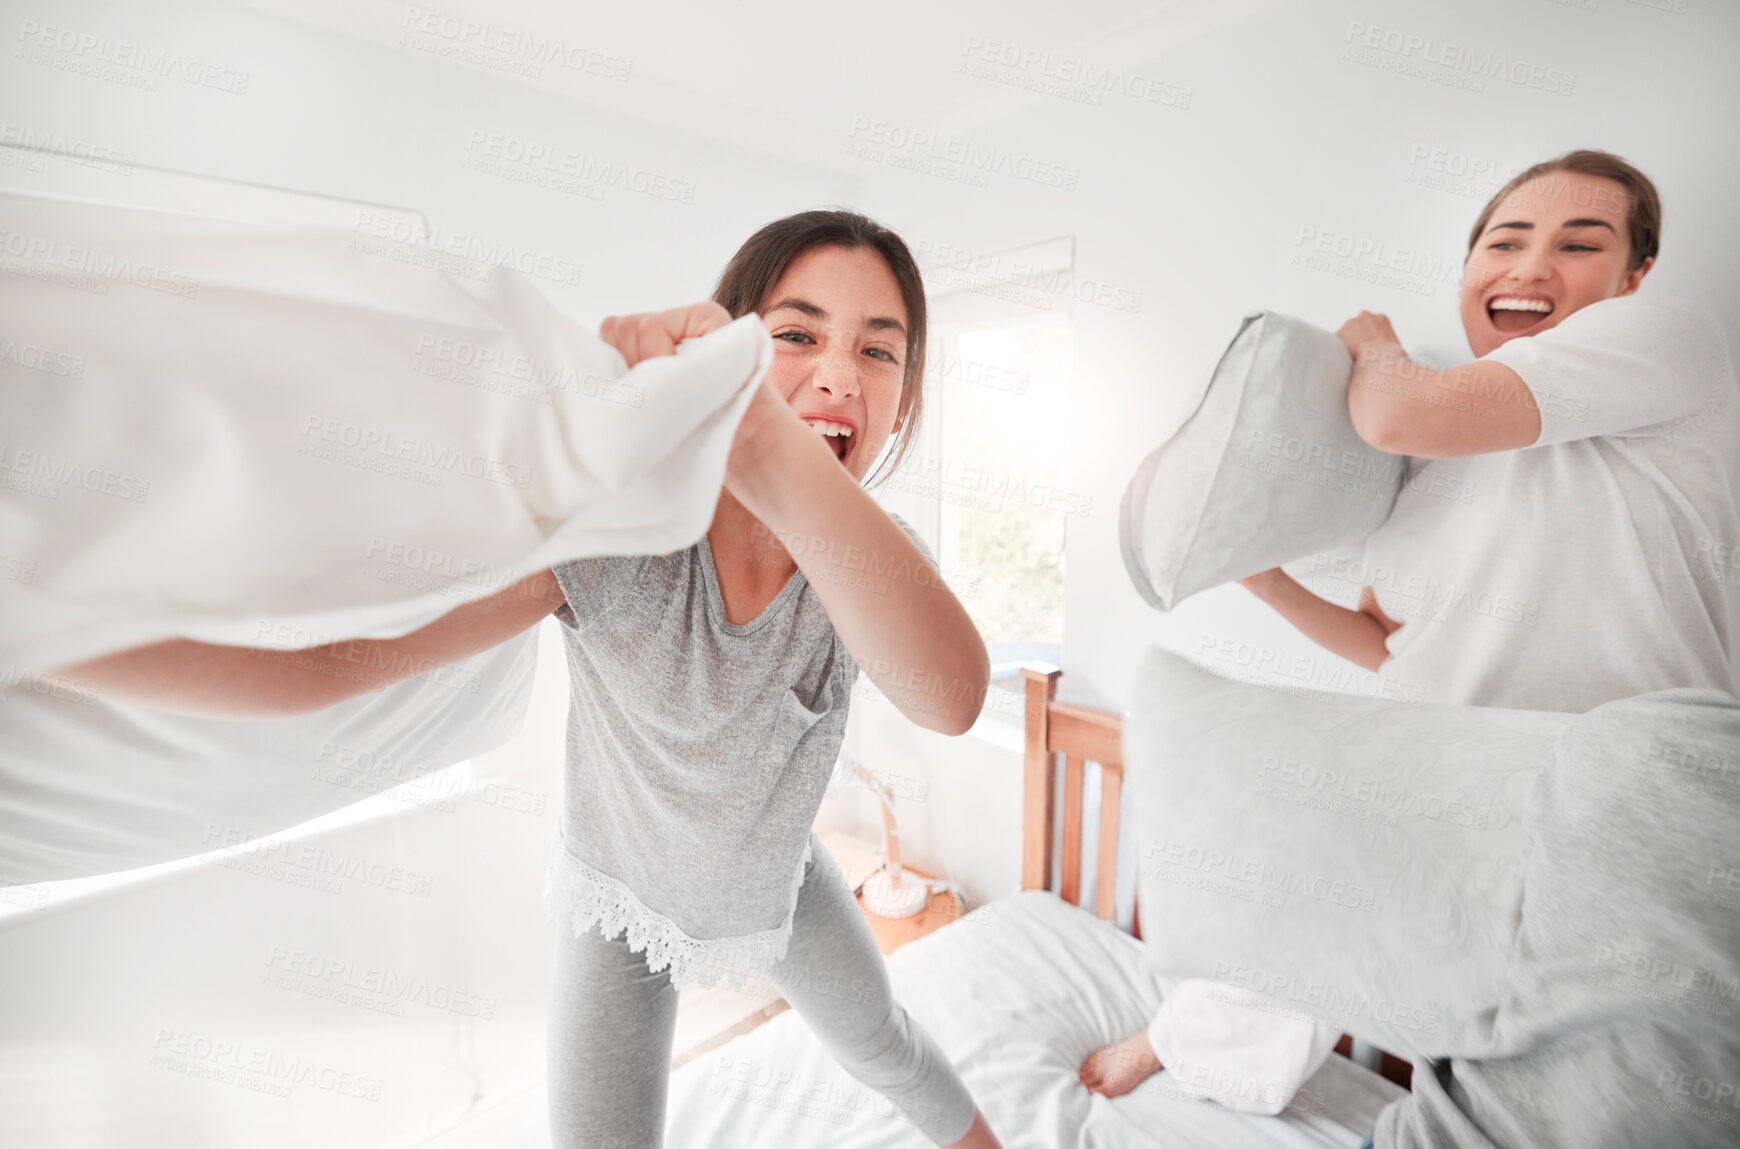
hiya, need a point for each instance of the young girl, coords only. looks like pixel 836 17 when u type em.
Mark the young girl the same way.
pixel 1596 435
pixel 710 693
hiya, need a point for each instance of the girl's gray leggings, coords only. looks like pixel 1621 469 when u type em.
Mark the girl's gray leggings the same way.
pixel 612 1023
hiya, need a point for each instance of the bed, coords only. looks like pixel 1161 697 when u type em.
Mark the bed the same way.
pixel 1016 993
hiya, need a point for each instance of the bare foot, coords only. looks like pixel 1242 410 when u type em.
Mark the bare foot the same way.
pixel 1117 1069
pixel 978 1137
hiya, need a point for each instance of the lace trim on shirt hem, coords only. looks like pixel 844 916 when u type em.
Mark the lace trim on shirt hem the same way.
pixel 582 897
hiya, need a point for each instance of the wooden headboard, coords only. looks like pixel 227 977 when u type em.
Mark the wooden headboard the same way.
pixel 1082 735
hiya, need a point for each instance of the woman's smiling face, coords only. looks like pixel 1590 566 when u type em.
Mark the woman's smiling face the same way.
pixel 1552 247
pixel 839 337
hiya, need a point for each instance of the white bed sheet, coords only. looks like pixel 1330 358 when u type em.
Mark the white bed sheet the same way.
pixel 1017 993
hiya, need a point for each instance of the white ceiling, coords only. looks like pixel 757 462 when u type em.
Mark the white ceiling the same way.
pixel 788 79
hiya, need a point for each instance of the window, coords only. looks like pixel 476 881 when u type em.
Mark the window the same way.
pixel 986 485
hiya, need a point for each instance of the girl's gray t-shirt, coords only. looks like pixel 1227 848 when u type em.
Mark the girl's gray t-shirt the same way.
pixel 699 751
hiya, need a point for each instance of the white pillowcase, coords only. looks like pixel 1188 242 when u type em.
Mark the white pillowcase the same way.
pixel 1268 469
pixel 284 435
pixel 1354 860
pixel 89 786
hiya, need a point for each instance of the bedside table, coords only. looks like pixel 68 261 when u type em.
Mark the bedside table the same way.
pixel 892 933
pixel 858 858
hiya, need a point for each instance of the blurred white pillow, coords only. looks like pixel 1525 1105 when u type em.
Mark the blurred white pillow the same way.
pixel 1352 860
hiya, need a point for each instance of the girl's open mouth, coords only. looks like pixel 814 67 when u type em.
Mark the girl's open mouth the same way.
pixel 837 435
pixel 1512 314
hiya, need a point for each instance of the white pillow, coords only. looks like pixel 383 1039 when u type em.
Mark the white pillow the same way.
pixel 1354 860
pixel 89 786
pixel 1268 469
pixel 230 432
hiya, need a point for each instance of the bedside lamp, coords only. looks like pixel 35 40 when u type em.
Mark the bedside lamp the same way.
pixel 889 892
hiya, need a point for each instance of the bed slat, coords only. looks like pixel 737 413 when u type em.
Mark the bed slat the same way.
pixel 1091 734
pixel 1106 876
pixel 1072 782
pixel 1040 772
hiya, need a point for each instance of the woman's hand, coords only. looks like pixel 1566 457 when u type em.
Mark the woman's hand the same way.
pixel 1366 327
pixel 1368 604
pixel 654 333
pixel 1262 580
pixel 1356 635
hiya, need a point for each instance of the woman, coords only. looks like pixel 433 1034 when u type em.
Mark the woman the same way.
pixel 710 692
pixel 1597 432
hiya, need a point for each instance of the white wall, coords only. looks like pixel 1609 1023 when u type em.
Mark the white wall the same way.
pixel 349 117
pixel 1202 210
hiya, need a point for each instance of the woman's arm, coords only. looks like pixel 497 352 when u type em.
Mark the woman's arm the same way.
pixel 1356 635
pixel 203 680
pixel 1403 408
pixel 903 627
